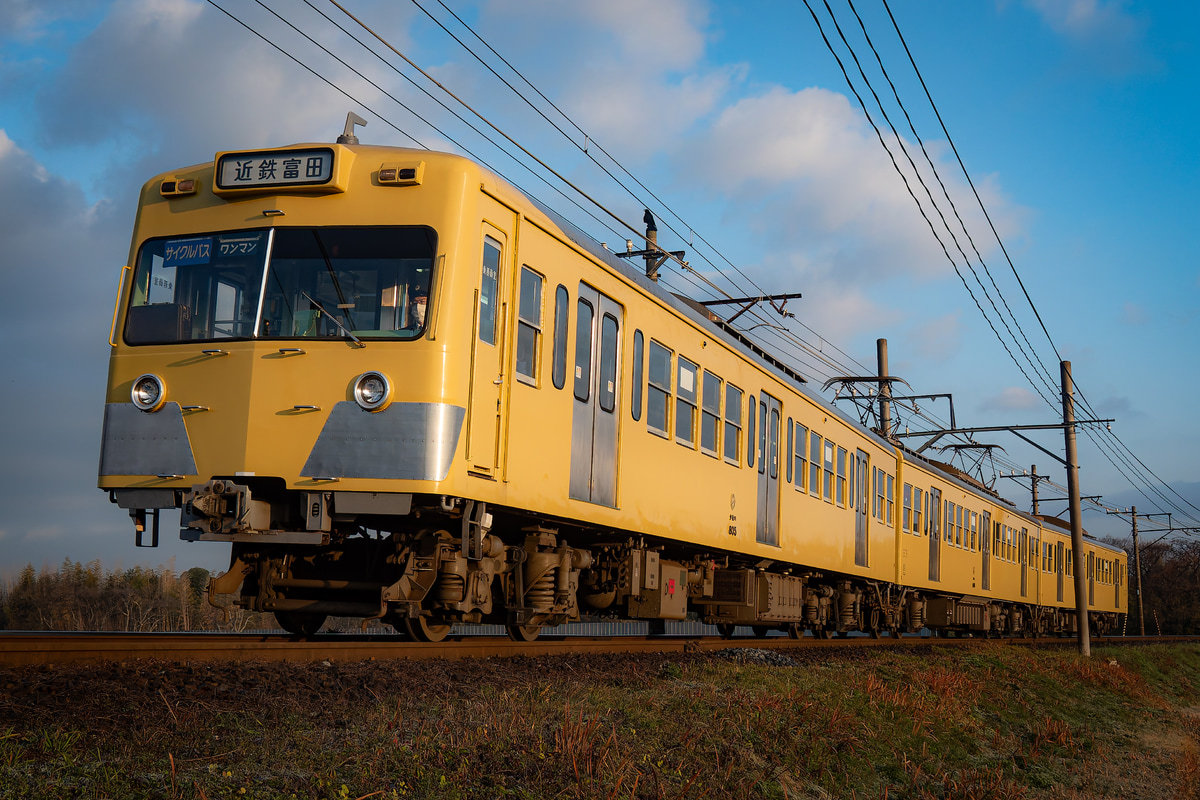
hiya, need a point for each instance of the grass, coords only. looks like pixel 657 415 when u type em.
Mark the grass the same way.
pixel 986 722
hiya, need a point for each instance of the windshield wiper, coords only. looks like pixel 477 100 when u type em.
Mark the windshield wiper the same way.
pixel 343 306
pixel 332 319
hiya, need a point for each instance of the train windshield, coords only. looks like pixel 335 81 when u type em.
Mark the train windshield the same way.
pixel 283 283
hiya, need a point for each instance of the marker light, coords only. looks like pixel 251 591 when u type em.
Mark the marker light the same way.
pixel 173 188
pixel 148 392
pixel 372 391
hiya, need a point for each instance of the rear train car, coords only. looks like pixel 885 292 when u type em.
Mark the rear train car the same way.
pixel 399 389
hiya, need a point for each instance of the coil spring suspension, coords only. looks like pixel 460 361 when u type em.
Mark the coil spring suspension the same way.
pixel 541 594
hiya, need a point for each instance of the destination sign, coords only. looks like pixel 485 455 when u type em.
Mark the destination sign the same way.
pixel 258 170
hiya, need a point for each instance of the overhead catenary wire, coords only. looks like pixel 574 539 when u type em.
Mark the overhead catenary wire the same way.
pixel 785 338
pixel 1036 363
pixel 1094 436
pixel 585 150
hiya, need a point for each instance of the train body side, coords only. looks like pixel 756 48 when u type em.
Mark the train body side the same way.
pixel 581 404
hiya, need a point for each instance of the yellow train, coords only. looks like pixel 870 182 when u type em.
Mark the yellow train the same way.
pixel 404 391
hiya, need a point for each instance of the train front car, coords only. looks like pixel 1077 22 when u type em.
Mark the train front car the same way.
pixel 289 370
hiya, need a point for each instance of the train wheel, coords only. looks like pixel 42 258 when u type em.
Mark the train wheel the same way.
pixel 795 632
pixel 422 629
pixel 524 633
pixel 761 631
pixel 298 623
pixel 825 633
pixel 874 633
pixel 725 630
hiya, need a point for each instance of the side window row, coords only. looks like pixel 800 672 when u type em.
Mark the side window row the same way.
pixel 962 527
pixel 687 401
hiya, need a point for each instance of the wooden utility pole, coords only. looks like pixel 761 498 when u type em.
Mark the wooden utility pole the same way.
pixel 1081 600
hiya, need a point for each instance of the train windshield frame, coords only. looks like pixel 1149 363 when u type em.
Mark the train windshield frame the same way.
pixel 369 283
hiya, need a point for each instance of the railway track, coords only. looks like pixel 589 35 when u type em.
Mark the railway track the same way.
pixel 38 648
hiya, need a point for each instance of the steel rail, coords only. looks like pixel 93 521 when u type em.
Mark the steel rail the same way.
pixel 42 648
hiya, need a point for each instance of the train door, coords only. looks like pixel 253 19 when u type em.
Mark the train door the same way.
pixel 860 498
pixel 487 359
pixel 1058 568
pixel 767 527
pixel 1091 576
pixel 597 391
pixel 985 546
pixel 934 515
pixel 1023 561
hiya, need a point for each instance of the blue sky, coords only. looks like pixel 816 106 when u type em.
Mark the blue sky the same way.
pixel 1075 119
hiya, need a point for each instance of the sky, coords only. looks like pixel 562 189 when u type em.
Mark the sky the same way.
pixel 1075 121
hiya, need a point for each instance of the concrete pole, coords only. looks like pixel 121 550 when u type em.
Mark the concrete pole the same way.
pixel 1137 565
pixel 1035 496
pixel 885 388
pixel 651 246
pixel 1081 604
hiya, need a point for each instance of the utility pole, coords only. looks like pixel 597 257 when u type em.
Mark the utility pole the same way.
pixel 1137 565
pixel 885 388
pixel 1033 469
pixel 1081 604
pixel 1032 474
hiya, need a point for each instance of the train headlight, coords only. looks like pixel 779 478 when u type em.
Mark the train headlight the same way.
pixel 148 392
pixel 372 391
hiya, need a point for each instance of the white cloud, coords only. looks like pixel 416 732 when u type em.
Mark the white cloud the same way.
pixel 938 339
pixel 1013 398
pixel 1106 32
pixel 1086 19
pixel 27 19
pixel 631 74
pixel 1134 314
pixel 805 171
pixel 163 83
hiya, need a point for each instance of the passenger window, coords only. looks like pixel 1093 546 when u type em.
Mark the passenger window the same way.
pixel 814 464
pixel 529 324
pixel 906 523
pixel 751 439
pixel 762 435
pixel 488 290
pixel 583 350
pixel 918 499
pixel 733 423
pixel 638 346
pixel 788 453
pixel 562 309
pixel 710 415
pixel 658 393
pixel 798 455
pixel 773 444
pixel 830 447
pixel 685 402
pixel 891 499
pixel 841 476
pixel 608 362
